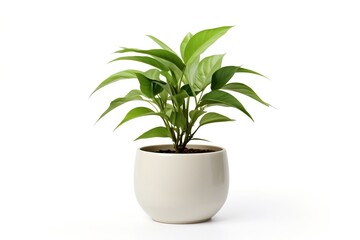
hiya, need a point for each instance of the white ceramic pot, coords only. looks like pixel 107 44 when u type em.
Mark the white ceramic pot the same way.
pixel 181 188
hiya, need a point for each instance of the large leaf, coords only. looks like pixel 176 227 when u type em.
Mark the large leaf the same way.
pixel 205 70
pixel 155 132
pixel 160 43
pixel 184 43
pixel 126 74
pixel 244 89
pixel 217 97
pixel 190 71
pixel 149 87
pixel 131 96
pixel 224 74
pixel 135 113
pixel 212 117
pixel 160 53
pixel 201 41
pixel 144 59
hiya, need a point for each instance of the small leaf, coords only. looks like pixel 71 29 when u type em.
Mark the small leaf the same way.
pixel 205 70
pixel 217 97
pixel 135 113
pixel 160 53
pixel 224 74
pixel 160 43
pixel 126 74
pixel 155 132
pixel 148 60
pixel 201 41
pixel 244 89
pixel 149 87
pixel 188 90
pixel 195 114
pixel 184 43
pixel 212 117
pixel 131 96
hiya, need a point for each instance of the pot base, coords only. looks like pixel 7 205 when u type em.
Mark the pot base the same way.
pixel 182 222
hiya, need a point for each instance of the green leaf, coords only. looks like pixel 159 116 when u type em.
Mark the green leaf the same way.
pixel 184 43
pixel 155 132
pixel 190 71
pixel 149 87
pixel 131 96
pixel 224 74
pixel 144 59
pixel 160 53
pixel 205 70
pixel 126 74
pixel 160 43
pixel 195 114
pixel 201 41
pixel 212 117
pixel 244 89
pixel 217 97
pixel 135 113
pixel 152 74
pixel 188 90
pixel 169 78
pixel 178 119
pixel 179 98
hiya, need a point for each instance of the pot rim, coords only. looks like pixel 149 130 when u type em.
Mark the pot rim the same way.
pixel 149 149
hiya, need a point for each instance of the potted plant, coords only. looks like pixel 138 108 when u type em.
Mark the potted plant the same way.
pixel 178 182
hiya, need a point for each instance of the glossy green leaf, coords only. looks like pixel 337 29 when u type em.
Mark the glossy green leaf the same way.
pixel 244 89
pixel 195 114
pixel 160 43
pixel 160 53
pixel 184 43
pixel 224 74
pixel 135 113
pixel 152 74
pixel 149 87
pixel 205 70
pixel 126 74
pixel 188 90
pixel 201 41
pixel 190 71
pixel 213 117
pixel 217 97
pixel 179 98
pixel 155 132
pixel 178 119
pixel 131 96
pixel 144 59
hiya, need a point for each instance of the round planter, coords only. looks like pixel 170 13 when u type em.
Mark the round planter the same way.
pixel 181 188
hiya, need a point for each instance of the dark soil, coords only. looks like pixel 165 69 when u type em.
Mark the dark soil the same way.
pixel 187 150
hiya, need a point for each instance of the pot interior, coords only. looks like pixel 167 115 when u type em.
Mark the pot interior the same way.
pixel 164 147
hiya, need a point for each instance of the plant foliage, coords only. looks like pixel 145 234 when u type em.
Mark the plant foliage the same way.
pixel 180 88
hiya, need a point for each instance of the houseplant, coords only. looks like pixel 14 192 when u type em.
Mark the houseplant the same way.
pixel 181 183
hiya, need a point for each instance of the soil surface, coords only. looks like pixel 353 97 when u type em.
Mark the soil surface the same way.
pixel 187 150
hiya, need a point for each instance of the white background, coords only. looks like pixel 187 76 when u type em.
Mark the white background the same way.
pixel 294 172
